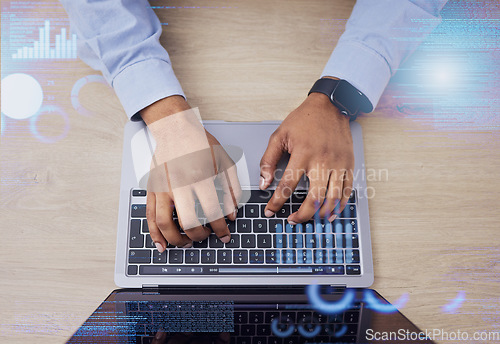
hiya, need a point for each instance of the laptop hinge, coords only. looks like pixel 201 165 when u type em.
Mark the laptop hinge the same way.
pixel 228 289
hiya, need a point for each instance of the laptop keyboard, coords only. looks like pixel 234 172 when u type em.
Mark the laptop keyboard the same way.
pixel 251 324
pixel 258 244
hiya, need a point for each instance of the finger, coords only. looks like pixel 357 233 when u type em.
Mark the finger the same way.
pixel 207 195
pixel 286 186
pixel 315 198
pixel 347 189
pixel 231 188
pixel 333 195
pixel 186 211
pixel 165 221
pixel 154 232
pixel 272 155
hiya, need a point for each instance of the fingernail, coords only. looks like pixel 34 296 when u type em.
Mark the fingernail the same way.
pixel 225 239
pixel 188 245
pixel 262 183
pixel 293 223
pixel 269 213
pixel 332 218
pixel 235 212
pixel 159 247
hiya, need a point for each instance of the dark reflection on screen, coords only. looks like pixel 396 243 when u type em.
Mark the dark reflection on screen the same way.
pixel 137 317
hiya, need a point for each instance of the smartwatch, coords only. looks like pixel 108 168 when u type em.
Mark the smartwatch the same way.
pixel 347 98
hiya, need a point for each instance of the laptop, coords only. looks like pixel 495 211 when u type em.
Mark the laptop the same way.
pixel 273 283
pixel 261 249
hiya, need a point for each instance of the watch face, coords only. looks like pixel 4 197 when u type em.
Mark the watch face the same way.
pixel 346 96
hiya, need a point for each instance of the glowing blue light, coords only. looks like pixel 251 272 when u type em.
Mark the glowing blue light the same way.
pixel 282 334
pixel 374 303
pixel 309 334
pixel 75 91
pixel 45 110
pixel 341 332
pixel 22 96
pixel 313 292
pixel 454 304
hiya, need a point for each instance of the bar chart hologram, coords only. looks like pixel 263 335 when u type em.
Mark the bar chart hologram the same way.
pixel 62 48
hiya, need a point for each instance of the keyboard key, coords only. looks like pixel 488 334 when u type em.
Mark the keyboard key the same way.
pixel 295 207
pixel 309 227
pixel 320 257
pixel 304 257
pixel 257 256
pixel 295 241
pixel 336 256
pixel 138 210
pixel 284 212
pixel 248 240
pixel 139 193
pixel 132 270
pixel 136 238
pixel 288 318
pixel 240 256
pixel 208 256
pixel 264 330
pixel 259 226
pixel 224 256
pixel 139 256
pixel 192 256
pixel 260 196
pixel 252 211
pixel 200 244
pixel 231 225
pixel 214 242
pixel 275 226
pixel 347 241
pixel 352 256
pixel 299 196
pixel 234 242
pixel 353 269
pixel 159 258
pixel 175 256
pixel 240 317
pixel 264 241
pixel 145 227
pixel 247 330
pixel 351 317
pixel 270 316
pixel 288 257
pixel 289 228
pixel 349 211
pixel 327 241
pixel 256 317
pixel 272 257
pixel 243 226
pixel 239 213
pixel 310 241
pixel 279 241
pixel 149 242
pixel 335 269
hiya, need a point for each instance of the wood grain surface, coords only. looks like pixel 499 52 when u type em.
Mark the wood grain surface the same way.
pixel 434 214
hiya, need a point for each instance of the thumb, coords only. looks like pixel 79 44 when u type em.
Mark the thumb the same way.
pixel 272 155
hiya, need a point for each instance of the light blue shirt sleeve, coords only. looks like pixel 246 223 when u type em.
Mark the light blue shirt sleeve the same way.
pixel 121 39
pixel 379 35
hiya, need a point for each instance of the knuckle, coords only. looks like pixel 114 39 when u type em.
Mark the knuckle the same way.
pixel 197 234
pixel 163 221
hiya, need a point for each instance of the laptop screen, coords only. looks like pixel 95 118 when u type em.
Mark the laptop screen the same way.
pixel 242 316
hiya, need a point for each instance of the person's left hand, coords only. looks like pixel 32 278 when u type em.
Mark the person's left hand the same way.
pixel 319 141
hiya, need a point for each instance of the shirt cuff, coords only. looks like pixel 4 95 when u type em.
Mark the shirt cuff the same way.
pixel 144 83
pixel 361 66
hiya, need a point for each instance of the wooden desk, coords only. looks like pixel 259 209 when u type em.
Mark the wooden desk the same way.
pixel 434 220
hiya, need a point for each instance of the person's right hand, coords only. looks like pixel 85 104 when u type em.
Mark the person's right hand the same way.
pixel 187 163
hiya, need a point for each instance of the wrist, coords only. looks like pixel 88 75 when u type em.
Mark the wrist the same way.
pixel 323 101
pixel 163 108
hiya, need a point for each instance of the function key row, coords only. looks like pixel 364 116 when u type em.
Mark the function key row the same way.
pixel 242 256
